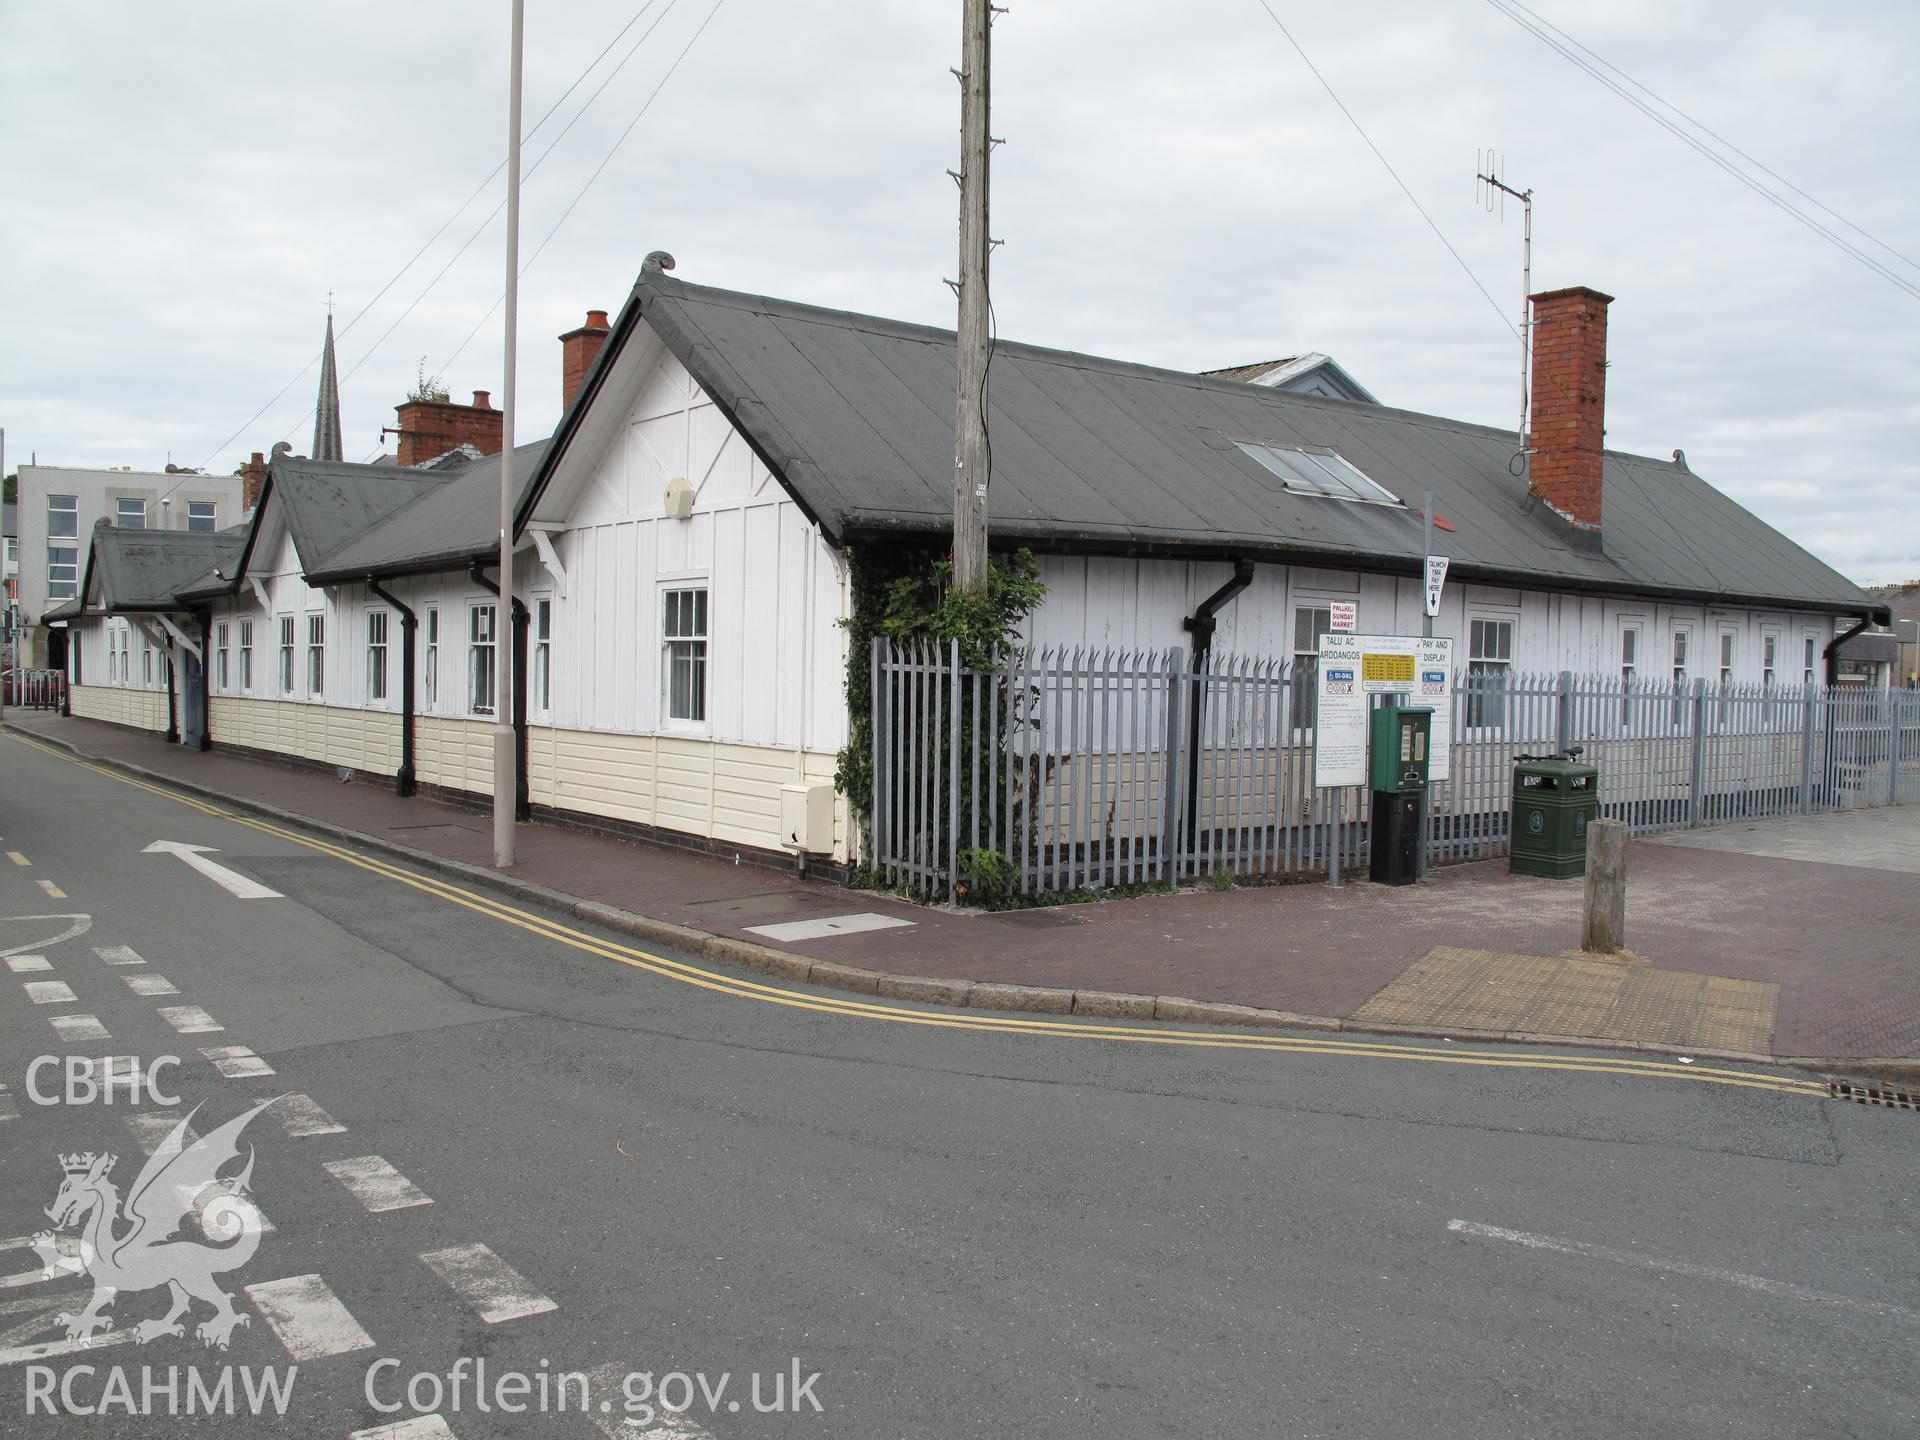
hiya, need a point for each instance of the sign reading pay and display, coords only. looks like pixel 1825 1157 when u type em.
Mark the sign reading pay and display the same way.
pixel 1353 669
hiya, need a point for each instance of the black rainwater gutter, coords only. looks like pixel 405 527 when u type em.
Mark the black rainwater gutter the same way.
pixel 522 801
pixel 403 783
pixel 1201 625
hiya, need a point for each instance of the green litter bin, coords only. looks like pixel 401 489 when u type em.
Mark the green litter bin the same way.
pixel 1555 798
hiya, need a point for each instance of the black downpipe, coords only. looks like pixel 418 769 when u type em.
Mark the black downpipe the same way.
pixel 1201 626
pixel 206 683
pixel 173 693
pixel 403 783
pixel 1833 649
pixel 522 800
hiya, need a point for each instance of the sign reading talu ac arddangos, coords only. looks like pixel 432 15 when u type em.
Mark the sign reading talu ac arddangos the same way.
pixel 1353 669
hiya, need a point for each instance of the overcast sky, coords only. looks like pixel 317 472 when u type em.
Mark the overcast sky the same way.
pixel 184 184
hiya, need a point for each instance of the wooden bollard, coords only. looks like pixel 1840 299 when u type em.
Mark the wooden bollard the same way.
pixel 1603 929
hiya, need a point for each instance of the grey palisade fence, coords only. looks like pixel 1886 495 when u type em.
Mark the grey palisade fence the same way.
pixel 1064 769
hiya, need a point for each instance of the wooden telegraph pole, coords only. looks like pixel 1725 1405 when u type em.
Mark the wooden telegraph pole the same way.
pixel 970 412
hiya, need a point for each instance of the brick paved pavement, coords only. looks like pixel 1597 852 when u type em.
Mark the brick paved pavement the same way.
pixel 1841 941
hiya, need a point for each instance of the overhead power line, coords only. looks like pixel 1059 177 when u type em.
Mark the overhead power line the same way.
pixel 1359 130
pixel 446 224
pixel 581 194
pixel 1567 49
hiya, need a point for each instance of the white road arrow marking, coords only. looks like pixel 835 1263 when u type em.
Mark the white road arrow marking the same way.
pixel 235 884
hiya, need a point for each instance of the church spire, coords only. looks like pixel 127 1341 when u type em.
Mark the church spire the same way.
pixel 326 410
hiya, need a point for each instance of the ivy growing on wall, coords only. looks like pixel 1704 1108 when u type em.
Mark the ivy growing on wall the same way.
pixel 909 595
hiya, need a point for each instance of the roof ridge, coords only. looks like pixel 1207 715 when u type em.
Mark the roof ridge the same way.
pixel 665 284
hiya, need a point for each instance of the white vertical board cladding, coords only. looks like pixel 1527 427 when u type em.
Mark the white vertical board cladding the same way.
pixel 1129 603
pixel 775 654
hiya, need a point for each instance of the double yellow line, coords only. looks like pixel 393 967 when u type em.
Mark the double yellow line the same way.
pixel 851 1008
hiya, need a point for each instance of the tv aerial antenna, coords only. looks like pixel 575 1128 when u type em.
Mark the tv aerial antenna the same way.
pixel 1491 192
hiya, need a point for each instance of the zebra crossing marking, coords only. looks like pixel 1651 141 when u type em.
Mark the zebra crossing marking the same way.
pixel 307 1318
pixel 119 954
pixel 190 1019
pixel 21 964
pixel 606 1398
pixel 50 992
pixel 420 1427
pixel 79 1027
pixel 376 1184
pixel 235 1062
pixel 300 1117
pixel 493 1289
pixel 150 985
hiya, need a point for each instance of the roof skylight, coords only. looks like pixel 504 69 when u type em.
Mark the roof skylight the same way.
pixel 1317 470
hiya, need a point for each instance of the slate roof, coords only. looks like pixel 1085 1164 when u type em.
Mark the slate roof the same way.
pixel 854 414
pixel 146 569
pixel 447 525
pixel 330 504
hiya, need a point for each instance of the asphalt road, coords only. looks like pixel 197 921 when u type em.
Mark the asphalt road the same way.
pixel 965 1225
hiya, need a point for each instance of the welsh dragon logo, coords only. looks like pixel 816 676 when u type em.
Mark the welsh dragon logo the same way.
pixel 141 1245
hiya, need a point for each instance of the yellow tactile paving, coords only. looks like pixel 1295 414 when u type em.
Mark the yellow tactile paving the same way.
pixel 1557 995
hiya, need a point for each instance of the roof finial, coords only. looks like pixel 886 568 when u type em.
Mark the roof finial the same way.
pixel 326 409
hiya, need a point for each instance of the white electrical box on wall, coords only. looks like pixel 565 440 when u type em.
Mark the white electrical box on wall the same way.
pixel 678 500
pixel 806 818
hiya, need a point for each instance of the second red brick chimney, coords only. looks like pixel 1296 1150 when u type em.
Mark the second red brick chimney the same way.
pixel 1570 402
pixel 578 350
pixel 253 476
pixel 430 428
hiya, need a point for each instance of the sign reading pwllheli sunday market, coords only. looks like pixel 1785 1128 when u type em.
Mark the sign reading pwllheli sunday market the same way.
pixel 1355 668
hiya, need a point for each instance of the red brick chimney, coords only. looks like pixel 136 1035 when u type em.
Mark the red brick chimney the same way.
pixel 578 350
pixel 430 428
pixel 1570 401
pixel 253 476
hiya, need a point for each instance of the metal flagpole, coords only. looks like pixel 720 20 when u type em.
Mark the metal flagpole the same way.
pixel 504 750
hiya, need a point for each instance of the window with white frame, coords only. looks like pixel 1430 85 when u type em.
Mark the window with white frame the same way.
pixel 1629 670
pixel 13 555
pixel 1806 664
pixel 1682 646
pixel 543 655
pixel 203 516
pixel 63 571
pixel 684 632
pixel 1310 622
pixel 246 655
pixel 1489 671
pixel 430 672
pixel 317 654
pixel 146 661
pixel 221 675
pixel 1769 659
pixel 482 642
pixel 286 654
pixel 63 560
pixel 376 655
pixel 1724 711
pixel 130 513
pixel 63 517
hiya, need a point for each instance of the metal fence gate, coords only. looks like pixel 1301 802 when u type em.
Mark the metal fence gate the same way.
pixel 1063 769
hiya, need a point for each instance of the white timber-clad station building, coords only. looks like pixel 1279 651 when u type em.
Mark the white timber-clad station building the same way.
pixel 690 536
